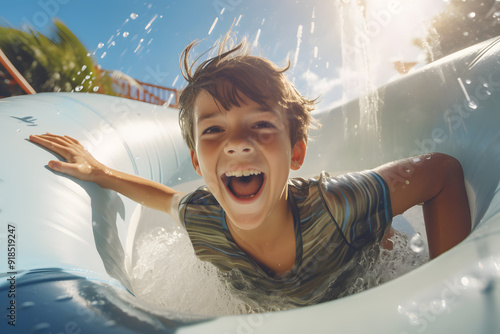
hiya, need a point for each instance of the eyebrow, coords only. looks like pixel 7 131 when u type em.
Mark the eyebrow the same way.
pixel 206 116
pixel 215 113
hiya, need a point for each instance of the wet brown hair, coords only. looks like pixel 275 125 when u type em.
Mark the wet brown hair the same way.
pixel 234 72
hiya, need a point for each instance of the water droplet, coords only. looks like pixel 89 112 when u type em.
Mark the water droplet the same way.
pixel 27 304
pixel 137 157
pixel 179 179
pixel 63 298
pixel 417 243
pixel 133 16
pixel 407 182
pixel 103 55
pixel 486 85
pixel 100 45
pixel 78 88
pixel 109 323
pixel 414 319
pixel 468 81
pixel 471 15
pixel 125 34
pixel 96 88
pixel 18 130
pixel 472 105
pixel 41 326
pixel 84 67
pixel 87 77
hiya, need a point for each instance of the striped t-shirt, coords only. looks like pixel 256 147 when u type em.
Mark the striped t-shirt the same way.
pixel 334 219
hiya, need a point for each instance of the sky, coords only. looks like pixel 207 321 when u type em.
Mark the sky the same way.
pixel 144 39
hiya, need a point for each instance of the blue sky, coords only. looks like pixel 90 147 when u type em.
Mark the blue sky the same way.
pixel 144 39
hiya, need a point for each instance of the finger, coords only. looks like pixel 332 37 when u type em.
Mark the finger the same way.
pixel 73 140
pixel 65 137
pixel 62 167
pixel 70 141
pixel 64 140
pixel 62 150
pixel 61 140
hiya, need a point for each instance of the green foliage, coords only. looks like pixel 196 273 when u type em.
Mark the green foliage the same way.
pixel 57 64
pixel 463 23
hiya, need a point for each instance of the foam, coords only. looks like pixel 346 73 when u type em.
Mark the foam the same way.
pixel 167 274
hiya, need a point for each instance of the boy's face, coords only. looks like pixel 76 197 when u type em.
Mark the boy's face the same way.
pixel 244 155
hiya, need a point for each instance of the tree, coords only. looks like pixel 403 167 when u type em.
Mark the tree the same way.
pixel 60 63
pixel 463 23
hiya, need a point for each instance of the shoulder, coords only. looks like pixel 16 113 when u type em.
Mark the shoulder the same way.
pixel 345 187
pixel 201 196
pixel 352 179
pixel 200 205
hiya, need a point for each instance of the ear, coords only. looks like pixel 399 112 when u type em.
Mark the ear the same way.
pixel 195 162
pixel 298 154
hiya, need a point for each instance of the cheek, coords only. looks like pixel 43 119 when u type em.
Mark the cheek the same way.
pixel 280 148
pixel 208 164
pixel 273 139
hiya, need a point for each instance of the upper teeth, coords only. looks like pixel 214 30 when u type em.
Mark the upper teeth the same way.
pixel 246 172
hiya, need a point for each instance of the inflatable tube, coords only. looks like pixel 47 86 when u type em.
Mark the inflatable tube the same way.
pixel 67 243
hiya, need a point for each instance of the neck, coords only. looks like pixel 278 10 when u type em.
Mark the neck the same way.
pixel 272 244
pixel 267 233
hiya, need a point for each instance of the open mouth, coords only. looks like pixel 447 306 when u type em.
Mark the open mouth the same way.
pixel 244 184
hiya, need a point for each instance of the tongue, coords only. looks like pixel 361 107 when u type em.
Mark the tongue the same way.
pixel 245 186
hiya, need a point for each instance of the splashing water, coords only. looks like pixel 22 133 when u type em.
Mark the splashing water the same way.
pixel 167 274
pixel 357 80
pixel 417 243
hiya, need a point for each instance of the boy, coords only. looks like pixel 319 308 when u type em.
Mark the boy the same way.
pixel 246 127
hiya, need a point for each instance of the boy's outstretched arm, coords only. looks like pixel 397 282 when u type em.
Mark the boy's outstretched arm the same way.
pixel 82 165
pixel 437 181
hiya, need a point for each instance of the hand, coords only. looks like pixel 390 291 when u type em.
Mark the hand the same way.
pixel 82 165
pixel 79 162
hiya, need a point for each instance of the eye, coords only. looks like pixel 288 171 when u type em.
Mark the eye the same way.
pixel 263 125
pixel 213 129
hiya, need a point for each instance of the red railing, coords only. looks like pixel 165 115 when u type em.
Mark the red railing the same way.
pixel 145 92
pixel 14 73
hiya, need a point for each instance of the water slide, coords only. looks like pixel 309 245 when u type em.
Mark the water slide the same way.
pixel 68 245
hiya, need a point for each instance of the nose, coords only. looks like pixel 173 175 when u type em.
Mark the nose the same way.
pixel 238 146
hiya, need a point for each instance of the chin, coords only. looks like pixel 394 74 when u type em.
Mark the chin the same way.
pixel 246 222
